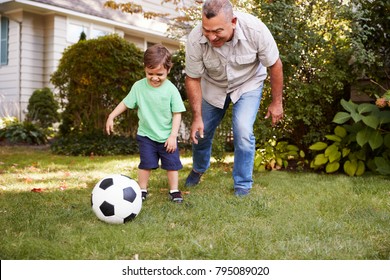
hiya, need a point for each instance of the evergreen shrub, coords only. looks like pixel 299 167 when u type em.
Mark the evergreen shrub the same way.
pixel 43 108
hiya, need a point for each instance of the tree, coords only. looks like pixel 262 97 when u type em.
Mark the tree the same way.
pixel 371 48
pixel 314 44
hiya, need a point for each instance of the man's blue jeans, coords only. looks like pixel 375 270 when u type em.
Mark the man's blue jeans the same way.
pixel 244 116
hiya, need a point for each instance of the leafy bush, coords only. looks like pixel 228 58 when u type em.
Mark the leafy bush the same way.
pixel 42 108
pixel 370 44
pixel 276 155
pixel 339 154
pixel 362 141
pixel 314 46
pixel 16 132
pixel 94 144
pixel 92 78
pixel 177 73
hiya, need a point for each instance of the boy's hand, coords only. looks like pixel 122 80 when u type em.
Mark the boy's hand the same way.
pixel 171 144
pixel 110 126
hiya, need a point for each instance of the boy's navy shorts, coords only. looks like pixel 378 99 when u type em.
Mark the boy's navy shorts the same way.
pixel 151 152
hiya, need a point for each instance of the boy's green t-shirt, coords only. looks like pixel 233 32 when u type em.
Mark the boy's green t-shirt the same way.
pixel 155 107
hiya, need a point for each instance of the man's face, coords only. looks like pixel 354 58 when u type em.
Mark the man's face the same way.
pixel 156 76
pixel 218 29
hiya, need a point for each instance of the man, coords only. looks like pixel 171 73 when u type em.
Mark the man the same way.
pixel 226 60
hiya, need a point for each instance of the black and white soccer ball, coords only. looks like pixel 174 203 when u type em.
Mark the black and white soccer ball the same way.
pixel 116 199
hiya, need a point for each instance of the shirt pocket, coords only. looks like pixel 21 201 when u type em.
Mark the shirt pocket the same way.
pixel 213 66
pixel 246 59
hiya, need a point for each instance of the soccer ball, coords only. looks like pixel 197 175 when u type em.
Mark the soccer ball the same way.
pixel 116 199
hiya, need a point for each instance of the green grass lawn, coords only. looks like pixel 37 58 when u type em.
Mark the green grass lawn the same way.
pixel 288 216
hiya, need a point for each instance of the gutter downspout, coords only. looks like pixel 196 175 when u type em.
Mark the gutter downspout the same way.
pixel 20 69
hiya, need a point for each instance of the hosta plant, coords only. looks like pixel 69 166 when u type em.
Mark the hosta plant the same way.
pixel 276 155
pixel 338 154
pixel 362 139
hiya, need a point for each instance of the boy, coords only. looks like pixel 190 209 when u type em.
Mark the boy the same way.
pixel 159 106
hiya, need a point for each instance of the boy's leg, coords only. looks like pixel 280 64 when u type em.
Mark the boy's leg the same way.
pixel 143 178
pixel 174 192
pixel 173 180
pixel 171 162
pixel 148 161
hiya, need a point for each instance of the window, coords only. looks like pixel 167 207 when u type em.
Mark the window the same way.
pixel 97 31
pixel 75 28
pixel 74 32
pixel 4 41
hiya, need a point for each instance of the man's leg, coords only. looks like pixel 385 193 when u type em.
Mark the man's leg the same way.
pixel 244 116
pixel 201 152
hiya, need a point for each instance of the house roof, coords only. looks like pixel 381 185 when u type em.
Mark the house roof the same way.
pixel 89 7
pixel 94 10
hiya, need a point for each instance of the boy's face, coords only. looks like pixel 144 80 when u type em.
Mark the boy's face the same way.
pixel 156 76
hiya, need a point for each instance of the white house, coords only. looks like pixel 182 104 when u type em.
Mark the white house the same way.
pixel 34 35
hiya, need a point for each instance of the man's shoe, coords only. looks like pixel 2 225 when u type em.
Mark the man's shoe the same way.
pixel 193 179
pixel 240 192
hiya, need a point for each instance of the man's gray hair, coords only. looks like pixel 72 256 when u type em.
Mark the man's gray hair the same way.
pixel 212 8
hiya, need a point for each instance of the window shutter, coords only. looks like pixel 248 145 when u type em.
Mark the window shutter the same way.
pixel 4 41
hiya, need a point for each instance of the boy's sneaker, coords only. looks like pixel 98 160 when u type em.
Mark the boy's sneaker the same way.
pixel 193 178
pixel 144 195
pixel 176 197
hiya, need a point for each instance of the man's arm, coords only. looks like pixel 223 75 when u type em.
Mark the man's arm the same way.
pixel 275 109
pixel 194 94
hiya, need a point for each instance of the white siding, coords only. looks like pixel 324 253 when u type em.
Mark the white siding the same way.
pixel 32 56
pixel 55 43
pixel 138 41
pixel 9 74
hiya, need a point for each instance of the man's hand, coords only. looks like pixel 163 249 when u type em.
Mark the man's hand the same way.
pixel 197 130
pixel 275 111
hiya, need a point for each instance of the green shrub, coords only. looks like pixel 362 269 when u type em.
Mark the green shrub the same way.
pixel 94 144
pixel 93 76
pixel 340 152
pixel 177 74
pixel 275 155
pixel 16 132
pixel 314 46
pixel 362 141
pixel 42 108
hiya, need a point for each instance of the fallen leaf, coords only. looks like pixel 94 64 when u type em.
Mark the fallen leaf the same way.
pixel 28 180
pixel 63 186
pixel 37 190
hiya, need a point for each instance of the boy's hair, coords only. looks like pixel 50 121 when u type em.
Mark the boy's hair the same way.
pixel 157 55
pixel 211 8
